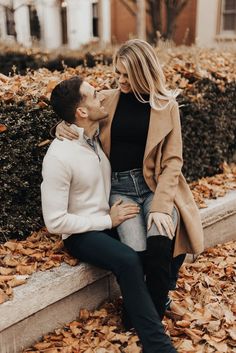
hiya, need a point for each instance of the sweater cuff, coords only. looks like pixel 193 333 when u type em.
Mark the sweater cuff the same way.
pixel 102 222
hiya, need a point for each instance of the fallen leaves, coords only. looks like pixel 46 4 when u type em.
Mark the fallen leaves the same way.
pixel 19 259
pixel 215 186
pixel 201 320
pixel 93 332
pixel 181 67
pixel 208 301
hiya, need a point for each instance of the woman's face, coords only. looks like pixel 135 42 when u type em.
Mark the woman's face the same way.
pixel 123 78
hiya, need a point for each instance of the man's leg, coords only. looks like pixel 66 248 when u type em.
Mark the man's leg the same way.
pixel 99 249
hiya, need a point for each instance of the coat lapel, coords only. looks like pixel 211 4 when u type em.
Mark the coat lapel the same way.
pixel 110 104
pixel 159 126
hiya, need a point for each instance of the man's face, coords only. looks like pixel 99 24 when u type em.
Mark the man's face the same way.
pixel 92 102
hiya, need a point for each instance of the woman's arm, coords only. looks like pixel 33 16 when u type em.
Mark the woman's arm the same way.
pixel 171 164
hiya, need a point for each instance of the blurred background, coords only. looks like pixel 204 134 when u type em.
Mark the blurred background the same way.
pixel 52 24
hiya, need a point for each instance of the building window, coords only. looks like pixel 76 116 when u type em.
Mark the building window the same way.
pixel 10 22
pixel 95 18
pixel 228 16
pixel 34 23
pixel 64 22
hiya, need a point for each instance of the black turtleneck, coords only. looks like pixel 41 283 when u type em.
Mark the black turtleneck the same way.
pixel 129 132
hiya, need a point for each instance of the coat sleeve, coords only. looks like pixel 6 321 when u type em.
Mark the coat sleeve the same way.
pixel 55 195
pixel 171 164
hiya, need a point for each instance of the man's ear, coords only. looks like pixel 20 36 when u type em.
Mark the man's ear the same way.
pixel 82 112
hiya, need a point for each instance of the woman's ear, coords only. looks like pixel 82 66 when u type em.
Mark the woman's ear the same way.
pixel 81 112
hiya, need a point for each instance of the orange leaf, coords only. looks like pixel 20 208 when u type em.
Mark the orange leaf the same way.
pixel 2 128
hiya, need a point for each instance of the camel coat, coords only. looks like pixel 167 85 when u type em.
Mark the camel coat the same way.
pixel 162 170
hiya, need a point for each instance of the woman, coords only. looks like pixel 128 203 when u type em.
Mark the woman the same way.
pixel 142 138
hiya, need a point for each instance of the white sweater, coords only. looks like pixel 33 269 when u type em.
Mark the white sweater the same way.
pixel 76 187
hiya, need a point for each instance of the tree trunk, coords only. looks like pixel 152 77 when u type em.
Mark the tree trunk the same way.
pixel 173 9
pixel 155 13
pixel 141 19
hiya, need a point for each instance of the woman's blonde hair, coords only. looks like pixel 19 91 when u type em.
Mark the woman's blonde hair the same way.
pixel 144 72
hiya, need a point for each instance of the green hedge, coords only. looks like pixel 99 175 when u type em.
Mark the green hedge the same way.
pixel 209 137
pixel 11 62
pixel 208 128
pixel 20 164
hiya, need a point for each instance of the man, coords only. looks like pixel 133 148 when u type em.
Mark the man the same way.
pixel 75 202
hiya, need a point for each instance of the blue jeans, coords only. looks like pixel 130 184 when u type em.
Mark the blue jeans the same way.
pixel 130 186
pixel 155 248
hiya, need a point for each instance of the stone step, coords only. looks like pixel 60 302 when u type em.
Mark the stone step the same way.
pixel 52 298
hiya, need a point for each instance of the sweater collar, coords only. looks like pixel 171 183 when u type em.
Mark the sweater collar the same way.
pixel 82 136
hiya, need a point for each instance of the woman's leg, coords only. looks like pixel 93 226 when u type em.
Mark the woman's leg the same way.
pixel 159 259
pixel 99 249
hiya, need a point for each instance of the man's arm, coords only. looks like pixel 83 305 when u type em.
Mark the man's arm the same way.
pixel 55 193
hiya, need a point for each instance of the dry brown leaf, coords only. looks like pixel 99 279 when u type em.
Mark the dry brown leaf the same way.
pixel 42 345
pixel 3 296
pixel 6 278
pixel 10 261
pixel 26 270
pixel 6 271
pixel 16 282
pixel 183 323
pixel 84 314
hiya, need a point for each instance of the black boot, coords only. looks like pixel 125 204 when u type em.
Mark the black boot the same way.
pixel 158 270
pixel 176 263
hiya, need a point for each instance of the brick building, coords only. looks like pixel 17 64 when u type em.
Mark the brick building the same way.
pixel 71 23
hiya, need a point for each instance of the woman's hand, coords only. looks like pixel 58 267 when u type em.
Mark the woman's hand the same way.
pixel 63 130
pixel 163 222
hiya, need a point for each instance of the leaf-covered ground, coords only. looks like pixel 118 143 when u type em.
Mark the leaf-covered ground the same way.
pixel 202 320
pixel 182 67
pixel 42 251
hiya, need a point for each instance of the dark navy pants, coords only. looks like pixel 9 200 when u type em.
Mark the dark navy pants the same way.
pixel 103 250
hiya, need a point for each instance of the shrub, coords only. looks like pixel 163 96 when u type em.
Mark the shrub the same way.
pixel 208 128
pixel 21 160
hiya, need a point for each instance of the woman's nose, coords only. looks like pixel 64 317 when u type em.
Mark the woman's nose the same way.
pixel 122 79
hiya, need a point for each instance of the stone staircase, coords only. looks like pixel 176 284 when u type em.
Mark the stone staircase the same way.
pixel 50 299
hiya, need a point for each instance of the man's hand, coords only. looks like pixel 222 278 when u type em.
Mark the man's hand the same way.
pixel 63 130
pixel 163 222
pixel 121 212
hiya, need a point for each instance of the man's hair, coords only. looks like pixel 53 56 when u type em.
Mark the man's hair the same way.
pixel 66 97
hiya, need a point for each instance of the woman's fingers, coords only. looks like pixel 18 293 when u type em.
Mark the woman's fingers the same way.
pixel 163 223
pixel 58 136
pixel 63 130
pixel 167 229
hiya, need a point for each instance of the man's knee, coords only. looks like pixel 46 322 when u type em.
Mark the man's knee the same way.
pixel 130 260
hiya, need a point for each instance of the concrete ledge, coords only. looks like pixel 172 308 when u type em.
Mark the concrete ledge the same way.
pixel 52 298
pixel 45 288
pixel 219 220
pixel 25 332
